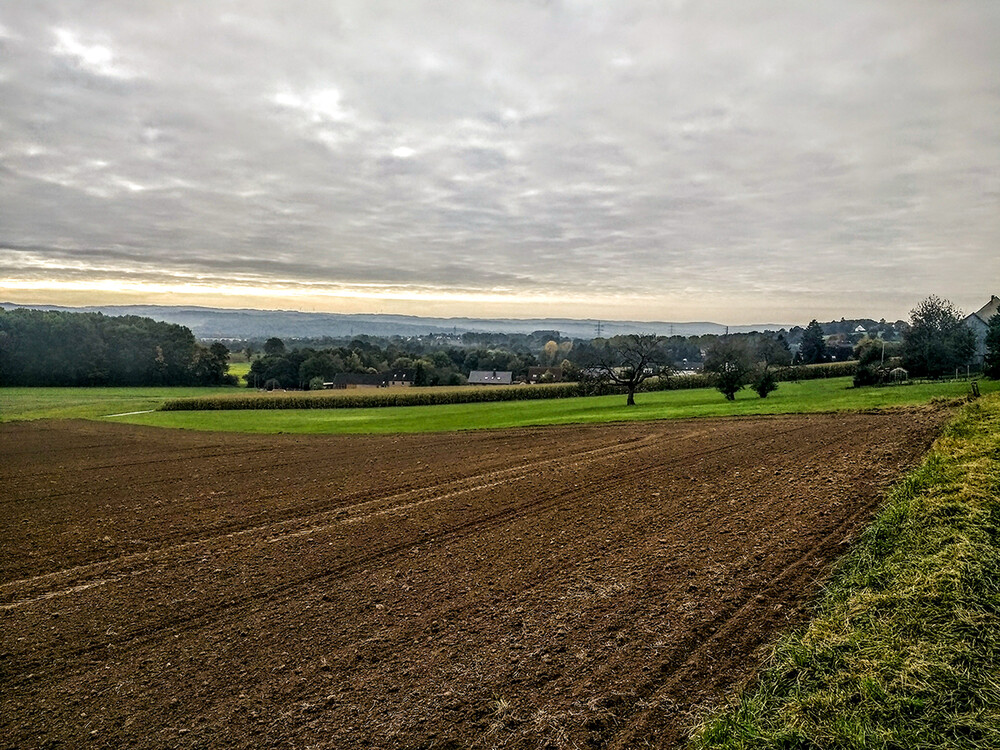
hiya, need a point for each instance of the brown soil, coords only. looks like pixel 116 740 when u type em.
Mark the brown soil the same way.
pixel 552 587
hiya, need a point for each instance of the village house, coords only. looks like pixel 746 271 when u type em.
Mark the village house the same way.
pixel 490 377
pixel 979 323
pixel 399 378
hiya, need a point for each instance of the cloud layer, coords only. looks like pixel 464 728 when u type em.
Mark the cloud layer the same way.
pixel 675 160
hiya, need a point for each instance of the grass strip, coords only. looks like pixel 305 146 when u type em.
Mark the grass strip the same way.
pixel 904 650
pixel 813 396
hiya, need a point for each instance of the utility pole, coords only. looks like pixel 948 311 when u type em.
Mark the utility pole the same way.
pixel 598 329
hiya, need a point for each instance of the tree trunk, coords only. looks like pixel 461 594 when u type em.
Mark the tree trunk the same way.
pixel 631 396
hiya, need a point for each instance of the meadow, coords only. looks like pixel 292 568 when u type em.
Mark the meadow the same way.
pixel 827 395
pixel 90 403
pixel 239 369
pixel 834 394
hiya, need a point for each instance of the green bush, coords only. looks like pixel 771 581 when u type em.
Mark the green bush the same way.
pixel 765 383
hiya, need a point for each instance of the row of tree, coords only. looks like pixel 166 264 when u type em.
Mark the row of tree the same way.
pixel 935 343
pixel 308 367
pixel 56 348
pixel 734 361
pixel 450 365
pixel 62 348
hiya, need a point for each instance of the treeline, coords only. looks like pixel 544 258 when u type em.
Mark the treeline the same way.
pixel 430 361
pixel 418 397
pixel 307 367
pixel 841 332
pixel 442 359
pixel 56 348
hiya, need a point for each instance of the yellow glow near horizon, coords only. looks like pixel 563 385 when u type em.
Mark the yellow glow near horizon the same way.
pixel 728 307
pixel 324 297
pixel 294 289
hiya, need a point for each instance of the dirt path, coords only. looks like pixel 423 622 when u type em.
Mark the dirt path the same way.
pixel 556 587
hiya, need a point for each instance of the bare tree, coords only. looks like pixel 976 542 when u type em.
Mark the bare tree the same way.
pixel 629 360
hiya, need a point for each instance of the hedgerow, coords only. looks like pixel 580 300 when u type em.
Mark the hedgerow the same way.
pixel 369 399
pixel 811 372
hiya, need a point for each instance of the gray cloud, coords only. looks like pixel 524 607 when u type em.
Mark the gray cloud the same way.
pixel 763 159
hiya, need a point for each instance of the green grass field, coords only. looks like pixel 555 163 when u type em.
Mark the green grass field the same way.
pixel 239 369
pixel 834 394
pixel 809 396
pixel 87 403
pixel 905 649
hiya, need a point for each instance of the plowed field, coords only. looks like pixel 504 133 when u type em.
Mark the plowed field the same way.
pixel 551 587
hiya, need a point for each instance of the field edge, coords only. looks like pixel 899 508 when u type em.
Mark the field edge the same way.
pixel 905 643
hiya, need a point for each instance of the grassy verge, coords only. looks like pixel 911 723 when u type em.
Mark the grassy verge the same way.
pixel 904 651
pixel 834 394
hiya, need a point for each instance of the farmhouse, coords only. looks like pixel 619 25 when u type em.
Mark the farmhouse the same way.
pixel 399 378
pixel 358 380
pixel 490 377
pixel 979 323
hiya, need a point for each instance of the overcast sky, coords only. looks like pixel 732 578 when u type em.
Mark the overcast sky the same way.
pixel 737 162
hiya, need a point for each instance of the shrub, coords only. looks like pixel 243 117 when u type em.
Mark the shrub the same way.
pixel 729 360
pixel 869 375
pixel 765 383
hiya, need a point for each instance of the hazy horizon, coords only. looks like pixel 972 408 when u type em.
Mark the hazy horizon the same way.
pixel 773 323
pixel 759 163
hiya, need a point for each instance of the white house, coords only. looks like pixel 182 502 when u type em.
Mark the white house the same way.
pixel 979 323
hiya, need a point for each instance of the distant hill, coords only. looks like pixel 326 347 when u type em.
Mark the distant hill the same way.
pixel 217 323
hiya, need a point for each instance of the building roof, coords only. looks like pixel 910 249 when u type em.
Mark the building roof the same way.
pixel 358 378
pixel 490 377
pixel 988 310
